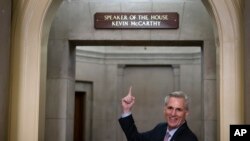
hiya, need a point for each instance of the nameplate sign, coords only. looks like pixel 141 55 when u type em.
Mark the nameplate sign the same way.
pixel 137 20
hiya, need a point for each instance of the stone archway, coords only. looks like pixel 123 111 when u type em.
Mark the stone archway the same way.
pixel 30 28
pixel 228 17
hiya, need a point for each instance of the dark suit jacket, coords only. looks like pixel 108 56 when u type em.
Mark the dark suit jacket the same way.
pixel 156 134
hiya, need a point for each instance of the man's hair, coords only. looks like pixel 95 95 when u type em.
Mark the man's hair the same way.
pixel 178 94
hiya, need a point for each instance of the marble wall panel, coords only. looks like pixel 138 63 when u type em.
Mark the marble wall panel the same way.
pixel 210 100
pixel 69 129
pixel 81 21
pixel 196 23
pixel 210 130
pixel 58 63
pixel 209 60
pixel 56 130
pixel 90 71
pixel 60 24
pixel 56 99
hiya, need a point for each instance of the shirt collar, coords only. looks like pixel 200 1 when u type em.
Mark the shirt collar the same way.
pixel 171 132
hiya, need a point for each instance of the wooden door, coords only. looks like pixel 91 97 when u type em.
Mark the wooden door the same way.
pixel 79 119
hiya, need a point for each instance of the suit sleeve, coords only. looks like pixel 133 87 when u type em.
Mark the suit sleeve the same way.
pixel 128 126
pixel 184 134
pixel 132 134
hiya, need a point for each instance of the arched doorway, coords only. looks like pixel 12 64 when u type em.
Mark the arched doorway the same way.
pixel 28 67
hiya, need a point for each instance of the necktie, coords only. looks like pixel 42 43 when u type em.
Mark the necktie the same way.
pixel 167 136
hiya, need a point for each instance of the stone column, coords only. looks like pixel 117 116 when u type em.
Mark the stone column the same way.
pixel 230 64
pixel 59 116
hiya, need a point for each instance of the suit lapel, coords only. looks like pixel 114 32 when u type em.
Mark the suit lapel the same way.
pixel 163 132
pixel 179 130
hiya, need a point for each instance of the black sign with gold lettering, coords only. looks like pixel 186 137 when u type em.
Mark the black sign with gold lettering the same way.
pixel 137 20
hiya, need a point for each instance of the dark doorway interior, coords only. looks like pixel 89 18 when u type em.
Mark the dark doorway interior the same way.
pixel 79 122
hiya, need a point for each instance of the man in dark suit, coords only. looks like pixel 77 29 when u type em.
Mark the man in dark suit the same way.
pixel 175 128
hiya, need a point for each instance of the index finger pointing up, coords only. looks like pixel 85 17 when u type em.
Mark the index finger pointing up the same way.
pixel 130 91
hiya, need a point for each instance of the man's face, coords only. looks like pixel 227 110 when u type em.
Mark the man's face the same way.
pixel 175 112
